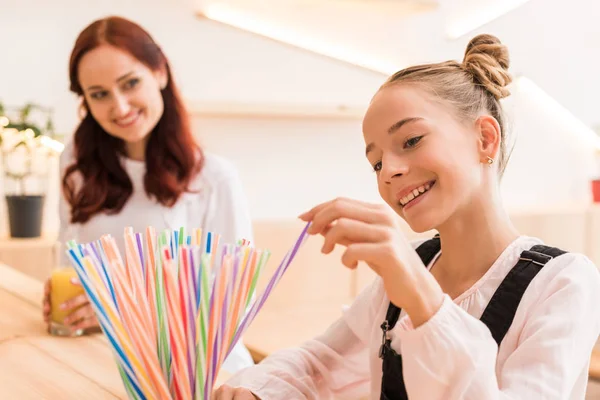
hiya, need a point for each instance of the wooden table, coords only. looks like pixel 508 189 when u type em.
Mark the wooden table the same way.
pixel 35 257
pixel 278 328
pixel 36 365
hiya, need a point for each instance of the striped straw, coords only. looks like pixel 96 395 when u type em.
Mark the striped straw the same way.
pixel 173 307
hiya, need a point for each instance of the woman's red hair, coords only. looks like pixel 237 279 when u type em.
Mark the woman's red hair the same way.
pixel 173 157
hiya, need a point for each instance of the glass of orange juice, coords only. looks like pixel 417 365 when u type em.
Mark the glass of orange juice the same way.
pixel 61 290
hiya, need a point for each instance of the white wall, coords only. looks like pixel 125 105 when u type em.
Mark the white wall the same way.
pixel 554 42
pixel 553 158
pixel 211 62
pixel 287 164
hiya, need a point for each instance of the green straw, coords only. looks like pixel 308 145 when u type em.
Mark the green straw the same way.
pixel 164 352
pixel 264 257
pixel 203 311
pixel 130 392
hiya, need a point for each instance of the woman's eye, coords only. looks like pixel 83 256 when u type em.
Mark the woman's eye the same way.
pixel 412 142
pixel 131 83
pixel 98 95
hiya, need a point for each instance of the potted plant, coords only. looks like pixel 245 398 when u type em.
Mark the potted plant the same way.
pixel 27 149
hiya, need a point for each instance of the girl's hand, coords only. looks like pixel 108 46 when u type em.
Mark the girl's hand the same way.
pixel 371 233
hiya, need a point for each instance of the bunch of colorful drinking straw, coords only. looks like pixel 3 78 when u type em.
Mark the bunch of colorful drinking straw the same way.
pixel 174 307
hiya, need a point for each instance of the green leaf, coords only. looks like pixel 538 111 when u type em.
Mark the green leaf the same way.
pixel 25 111
pixel 43 128
pixel 49 126
pixel 24 125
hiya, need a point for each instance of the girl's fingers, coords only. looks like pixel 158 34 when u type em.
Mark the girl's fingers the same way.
pixel 366 252
pixel 348 209
pixel 309 215
pixel 348 231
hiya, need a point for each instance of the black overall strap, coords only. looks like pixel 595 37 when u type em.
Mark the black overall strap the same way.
pixel 501 310
pixel 497 316
pixel 392 383
pixel 426 251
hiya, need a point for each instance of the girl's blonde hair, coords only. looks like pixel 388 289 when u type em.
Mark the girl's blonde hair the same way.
pixel 474 86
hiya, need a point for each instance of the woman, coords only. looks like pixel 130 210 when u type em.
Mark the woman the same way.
pixel 134 161
pixel 480 312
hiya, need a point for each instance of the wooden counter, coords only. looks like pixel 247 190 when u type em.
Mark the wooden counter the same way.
pixel 36 365
pixel 276 328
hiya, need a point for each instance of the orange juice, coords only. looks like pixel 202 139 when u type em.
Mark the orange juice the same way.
pixel 61 290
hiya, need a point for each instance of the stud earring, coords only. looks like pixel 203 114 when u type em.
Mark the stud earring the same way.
pixel 490 160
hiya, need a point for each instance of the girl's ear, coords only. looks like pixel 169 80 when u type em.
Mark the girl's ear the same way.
pixel 489 139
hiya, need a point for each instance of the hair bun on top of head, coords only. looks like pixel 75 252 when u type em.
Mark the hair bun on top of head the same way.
pixel 486 58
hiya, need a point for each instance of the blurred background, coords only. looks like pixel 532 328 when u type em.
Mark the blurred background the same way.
pixel 280 86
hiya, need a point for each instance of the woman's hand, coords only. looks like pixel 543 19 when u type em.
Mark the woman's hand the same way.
pixel 46 301
pixel 81 315
pixel 229 393
pixel 371 233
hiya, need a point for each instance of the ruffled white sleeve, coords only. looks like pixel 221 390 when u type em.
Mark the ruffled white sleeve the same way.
pixel 332 365
pixel 453 355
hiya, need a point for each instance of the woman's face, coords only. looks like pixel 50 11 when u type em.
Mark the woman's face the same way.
pixel 122 94
pixel 428 164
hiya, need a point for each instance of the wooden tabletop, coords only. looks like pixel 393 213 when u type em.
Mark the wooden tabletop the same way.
pixel 276 328
pixel 36 365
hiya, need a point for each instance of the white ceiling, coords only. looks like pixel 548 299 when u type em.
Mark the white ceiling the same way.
pixel 555 45
pixel 318 6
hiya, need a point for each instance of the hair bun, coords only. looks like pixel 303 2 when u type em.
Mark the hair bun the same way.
pixel 486 58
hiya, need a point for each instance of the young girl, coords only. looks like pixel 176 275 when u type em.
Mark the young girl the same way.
pixel 134 160
pixel 480 312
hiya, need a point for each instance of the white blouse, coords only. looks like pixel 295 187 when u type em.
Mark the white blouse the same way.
pixel 544 355
pixel 217 205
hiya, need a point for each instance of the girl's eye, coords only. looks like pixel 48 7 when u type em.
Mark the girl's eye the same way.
pixel 412 142
pixel 377 166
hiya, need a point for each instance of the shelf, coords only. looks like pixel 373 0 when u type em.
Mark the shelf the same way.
pixel 273 110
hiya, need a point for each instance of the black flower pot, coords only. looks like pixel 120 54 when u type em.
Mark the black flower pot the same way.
pixel 25 215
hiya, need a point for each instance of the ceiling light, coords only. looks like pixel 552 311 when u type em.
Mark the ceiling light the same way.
pixel 230 16
pixel 548 103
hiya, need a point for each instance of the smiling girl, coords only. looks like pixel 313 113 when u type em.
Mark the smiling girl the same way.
pixel 479 312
